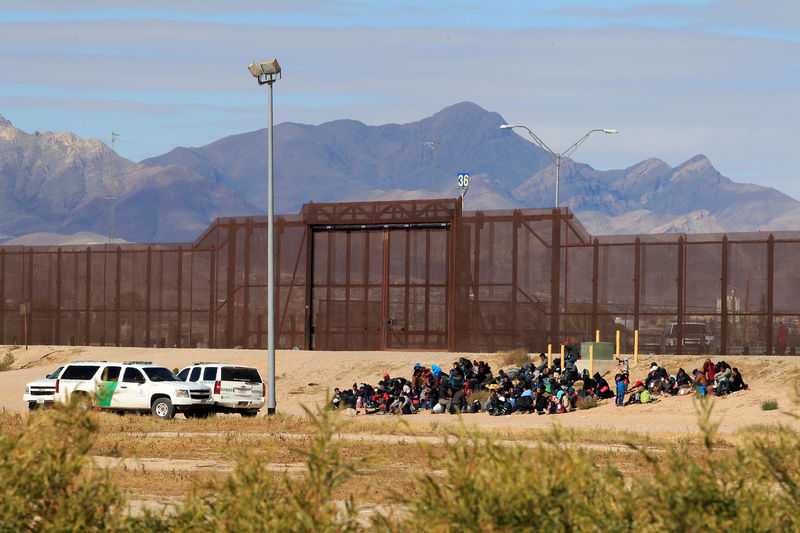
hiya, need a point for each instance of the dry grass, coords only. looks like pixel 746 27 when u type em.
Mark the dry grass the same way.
pixel 514 358
pixel 390 458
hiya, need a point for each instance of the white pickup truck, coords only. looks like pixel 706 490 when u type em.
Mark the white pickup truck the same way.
pixel 131 386
pixel 40 392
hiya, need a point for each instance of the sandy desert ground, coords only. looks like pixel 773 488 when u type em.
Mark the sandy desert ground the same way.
pixel 303 378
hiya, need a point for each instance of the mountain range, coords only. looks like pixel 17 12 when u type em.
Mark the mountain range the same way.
pixel 60 183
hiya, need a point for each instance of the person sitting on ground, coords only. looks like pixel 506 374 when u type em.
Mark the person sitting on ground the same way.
pixel 446 400
pixel 506 384
pixel 723 385
pixel 459 403
pixel 700 383
pixel 657 380
pixel 602 389
pixel 348 399
pixel 737 383
pixel 634 394
pixel 682 379
pixel 456 376
pixel 571 373
pixel 337 398
pixel 493 404
pixel 524 403
pixel 542 363
pixel 554 406
pixel 541 399
pixel 360 400
pixel 710 370
pixel 418 378
pixel 484 376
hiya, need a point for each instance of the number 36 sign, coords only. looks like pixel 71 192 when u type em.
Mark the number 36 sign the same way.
pixel 463 180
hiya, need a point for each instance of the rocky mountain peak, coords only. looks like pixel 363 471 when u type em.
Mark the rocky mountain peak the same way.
pixel 5 123
pixel 696 166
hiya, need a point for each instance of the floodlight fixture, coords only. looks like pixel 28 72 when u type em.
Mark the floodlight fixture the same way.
pixel 267 71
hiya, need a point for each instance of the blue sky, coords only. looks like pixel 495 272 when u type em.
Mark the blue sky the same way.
pixel 677 78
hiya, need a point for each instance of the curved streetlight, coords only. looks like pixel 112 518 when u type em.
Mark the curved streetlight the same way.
pixel 267 72
pixel 556 157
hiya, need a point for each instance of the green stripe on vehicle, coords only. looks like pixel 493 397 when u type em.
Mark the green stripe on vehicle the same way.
pixel 105 393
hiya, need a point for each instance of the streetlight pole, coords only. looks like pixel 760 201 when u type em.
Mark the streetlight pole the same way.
pixel 556 156
pixel 267 72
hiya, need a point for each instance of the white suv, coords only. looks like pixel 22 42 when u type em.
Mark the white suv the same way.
pixel 235 389
pixel 132 386
pixel 40 392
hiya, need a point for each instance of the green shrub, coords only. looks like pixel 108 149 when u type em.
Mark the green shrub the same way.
pixel 48 483
pixel 252 499
pixel 587 402
pixel 471 483
pixel 487 486
pixel 769 405
pixel 7 361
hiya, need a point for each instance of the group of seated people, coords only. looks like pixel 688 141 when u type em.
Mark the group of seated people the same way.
pixel 718 379
pixel 535 387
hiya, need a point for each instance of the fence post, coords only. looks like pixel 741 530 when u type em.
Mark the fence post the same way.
pixel 555 274
pixel 723 327
pixel 770 289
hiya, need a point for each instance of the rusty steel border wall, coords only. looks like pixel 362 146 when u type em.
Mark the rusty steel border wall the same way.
pixel 411 275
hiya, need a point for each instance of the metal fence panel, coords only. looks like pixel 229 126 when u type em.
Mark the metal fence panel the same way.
pixel 412 275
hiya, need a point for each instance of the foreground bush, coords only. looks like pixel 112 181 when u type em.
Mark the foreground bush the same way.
pixel 558 486
pixel 470 483
pixel 491 487
pixel 47 480
pixel 253 498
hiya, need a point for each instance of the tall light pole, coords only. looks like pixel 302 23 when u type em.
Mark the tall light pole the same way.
pixel 267 72
pixel 556 157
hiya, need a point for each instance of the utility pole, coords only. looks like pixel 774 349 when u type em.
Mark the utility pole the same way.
pixel 113 192
pixel 433 145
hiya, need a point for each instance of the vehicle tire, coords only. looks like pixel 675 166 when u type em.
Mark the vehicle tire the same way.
pixel 162 408
pixel 249 413
pixel 32 406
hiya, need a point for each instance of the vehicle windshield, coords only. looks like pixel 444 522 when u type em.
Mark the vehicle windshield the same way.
pixel 696 329
pixel 159 373
pixel 237 373
pixel 55 373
